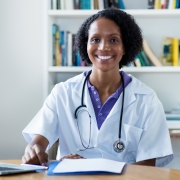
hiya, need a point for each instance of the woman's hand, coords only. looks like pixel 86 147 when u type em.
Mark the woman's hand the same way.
pixel 72 156
pixel 35 151
pixel 35 155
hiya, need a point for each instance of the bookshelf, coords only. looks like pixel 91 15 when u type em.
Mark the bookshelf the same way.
pixel 155 25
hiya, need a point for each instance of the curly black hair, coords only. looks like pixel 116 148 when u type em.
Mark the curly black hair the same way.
pixel 131 34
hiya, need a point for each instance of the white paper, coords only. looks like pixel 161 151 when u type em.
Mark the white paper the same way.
pixel 88 165
pixel 35 166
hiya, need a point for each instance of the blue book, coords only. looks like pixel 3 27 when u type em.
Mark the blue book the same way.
pixel 85 4
pixel 121 4
pixel 62 43
pixel 177 4
pixel 78 60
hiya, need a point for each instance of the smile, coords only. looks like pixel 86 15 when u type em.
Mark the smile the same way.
pixel 104 57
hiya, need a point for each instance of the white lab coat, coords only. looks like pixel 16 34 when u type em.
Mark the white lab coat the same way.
pixel 144 129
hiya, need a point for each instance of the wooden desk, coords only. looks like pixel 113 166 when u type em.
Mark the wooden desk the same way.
pixel 130 172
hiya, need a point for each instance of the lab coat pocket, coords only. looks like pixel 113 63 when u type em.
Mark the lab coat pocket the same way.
pixel 131 136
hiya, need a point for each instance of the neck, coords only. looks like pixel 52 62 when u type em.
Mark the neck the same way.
pixel 105 82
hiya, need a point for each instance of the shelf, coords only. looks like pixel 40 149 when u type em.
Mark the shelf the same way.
pixel 167 69
pixel 173 124
pixel 144 13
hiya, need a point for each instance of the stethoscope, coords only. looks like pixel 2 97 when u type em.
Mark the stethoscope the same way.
pixel 118 145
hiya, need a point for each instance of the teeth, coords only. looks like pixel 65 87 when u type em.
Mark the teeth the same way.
pixel 104 57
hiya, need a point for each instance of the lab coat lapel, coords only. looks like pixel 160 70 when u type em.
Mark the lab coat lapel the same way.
pixel 128 99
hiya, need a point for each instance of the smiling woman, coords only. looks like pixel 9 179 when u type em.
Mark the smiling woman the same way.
pixel 104 112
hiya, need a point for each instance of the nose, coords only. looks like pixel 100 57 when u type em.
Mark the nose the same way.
pixel 104 46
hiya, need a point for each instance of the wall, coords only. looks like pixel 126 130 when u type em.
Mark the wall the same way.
pixel 21 71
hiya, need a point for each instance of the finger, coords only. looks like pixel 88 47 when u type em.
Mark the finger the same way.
pixel 40 154
pixel 33 156
pixel 28 158
pixel 24 160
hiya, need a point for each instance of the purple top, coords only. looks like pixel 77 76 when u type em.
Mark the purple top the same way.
pixel 102 111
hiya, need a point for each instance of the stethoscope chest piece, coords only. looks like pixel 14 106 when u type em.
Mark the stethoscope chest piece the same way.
pixel 118 146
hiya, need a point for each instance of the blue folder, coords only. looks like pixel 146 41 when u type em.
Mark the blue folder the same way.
pixel 52 165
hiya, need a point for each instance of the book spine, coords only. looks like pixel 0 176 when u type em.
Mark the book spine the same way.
pixel 121 4
pixel 150 54
pixel 74 50
pixel 157 4
pixel 177 4
pixel 141 59
pixel 76 4
pixel 58 4
pixel 146 60
pixel 101 4
pixel 175 51
pixel 167 52
pixel 54 29
pixel 85 4
pixel 150 4
pixel 62 4
pixel 92 4
pixel 62 34
pixel 115 4
pixel 68 4
pixel 54 4
pixel 69 49
pixel 106 4
pixel 137 62
pixel 58 56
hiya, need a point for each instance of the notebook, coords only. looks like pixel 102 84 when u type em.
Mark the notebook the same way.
pixel 85 166
pixel 7 169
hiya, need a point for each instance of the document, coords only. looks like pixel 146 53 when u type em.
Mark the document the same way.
pixel 88 166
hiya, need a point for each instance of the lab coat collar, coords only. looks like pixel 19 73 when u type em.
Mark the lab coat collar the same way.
pixel 133 88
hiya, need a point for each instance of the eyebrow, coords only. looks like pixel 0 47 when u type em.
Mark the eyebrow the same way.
pixel 116 34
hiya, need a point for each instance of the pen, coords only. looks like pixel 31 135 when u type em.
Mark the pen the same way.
pixel 35 166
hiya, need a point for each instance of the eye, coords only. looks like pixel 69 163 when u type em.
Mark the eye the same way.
pixel 114 40
pixel 95 40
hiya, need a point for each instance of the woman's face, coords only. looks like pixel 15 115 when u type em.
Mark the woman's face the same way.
pixel 104 47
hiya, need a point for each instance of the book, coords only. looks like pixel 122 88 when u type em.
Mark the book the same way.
pixel 58 4
pixel 137 62
pixel 76 4
pixel 101 4
pixel 62 4
pixel 150 54
pixel 167 52
pixel 177 4
pixel 58 57
pixel 92 4
pixel 141 59
pixel 53 4
pixel 121 4
pixel 74 49
pixel 106 4
pixel 85 166
pixel 68 4
pixel 54 30
pixel 96 6
pixel 85 4
pixel 150 4
pixel 69 49
pixel 115 4
pixel 146 59
pixel 175 51
pixel 157 4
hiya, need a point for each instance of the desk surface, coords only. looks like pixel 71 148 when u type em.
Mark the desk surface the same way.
pixel 130 172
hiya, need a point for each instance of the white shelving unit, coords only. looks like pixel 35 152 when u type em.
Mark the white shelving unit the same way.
pixel 155 25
